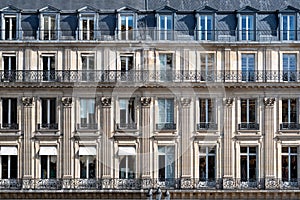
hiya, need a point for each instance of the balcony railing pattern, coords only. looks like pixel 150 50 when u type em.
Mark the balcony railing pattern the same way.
pixel 165 126
pixel 289 126
pixel 52 126
pixel 248 126
pixel 87 126
pixel 122 126
pixel 146 76
pixel 207 126
pixel 11 126
pixel 140 183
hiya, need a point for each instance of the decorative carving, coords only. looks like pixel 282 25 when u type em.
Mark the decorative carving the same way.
pixel 185 101
pixel 145 101
pixel 228 101
pixel 228 183
pixel 186 183
pixel 106 101
pixel 27 101
pixel 66 101
pixel 269 101
pixel 271 183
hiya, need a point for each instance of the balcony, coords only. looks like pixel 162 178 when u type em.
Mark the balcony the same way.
pixel 46 126
pixel 10 184
pixel 248 126
pixel 87 126
pixel 165 126
pixel 48 184
pixel 11 126
pixel 289 126
pixel 207 126
pixel 126 126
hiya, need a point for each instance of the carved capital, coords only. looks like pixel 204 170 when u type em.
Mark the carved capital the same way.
pixel 27 101
pixel 269 101
pixel 66 101
pixel 145 101
pixel 105 101
pixel 228 101
pixel 185 101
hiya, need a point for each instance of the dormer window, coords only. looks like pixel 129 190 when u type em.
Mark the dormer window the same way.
pixel 165 27
pixel 49 23
pixel 246 27
pixel 87 28
pixel 205 24
pixel 288 27
pixel 126 27
pixel 10 23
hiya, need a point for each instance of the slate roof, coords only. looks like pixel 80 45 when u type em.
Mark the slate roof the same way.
pixel 220 5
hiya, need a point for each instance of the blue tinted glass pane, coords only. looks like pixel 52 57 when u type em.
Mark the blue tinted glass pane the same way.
pixel 162 22
pixel 209 27
pixel 292 28
pixel 169 22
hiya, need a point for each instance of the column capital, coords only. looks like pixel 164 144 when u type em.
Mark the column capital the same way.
pixel 105 101
pixel 269 101
pixel 27 101
pixel 145 101
pixel 66 101
pixel 228 101
pixel 185 101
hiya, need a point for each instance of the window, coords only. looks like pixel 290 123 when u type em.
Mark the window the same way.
pixel 9 113
pixel 248 114
pixel 87 113
pixel 289 67
pixel 205 27
pixel 207 114
pixel 127 114
pixel 87 166
pixel 166 65
pixel 247 27
pixel 248 67
pixel 8 162
pixel 207 164
pixel 87 27
pixel 9 65
pixel 127 162
pixel 126 27
pixel 288 27
pixel 289 114
pixel 166 114
pixel 49 29
pixel 207 63
pixel 88 63
pixel 126 66
pixel 48 68
pixel 166 163
pixel 289 164
pixel 165 27
pixel 248 164
pixel 10 27
pixel 49 114
pixel 48 166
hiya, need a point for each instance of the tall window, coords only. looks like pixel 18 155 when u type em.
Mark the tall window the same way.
pixel 207 114
pixel 165 114
pixel 288 27
pixel 248 114
pixel 8 162
pixel 247 27
pixel 9 113
pixel 289 114
pixel 87 113
pixel 126 27
pixel 49 114
pixel 127 162
pixel 248 164
pixel 166 163
pixel 88 66
pixel 48 68
pixel 127 113
pixel 49 29
pixel 48 166
pixel 166 62
pixel 205 27
pixel 207 62
pixel 9 65
pixel 126 66
pixel 248 67
pixel 87 26
pixel 207 159
pixel 289 67
pixel 87 166
pixel 165 27
pixel 289 165
pixel 10 27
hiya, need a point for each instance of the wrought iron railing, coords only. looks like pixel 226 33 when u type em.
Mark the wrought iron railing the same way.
pixel 87 126
pixel 166 126
pixel 122 126
pixel 289 126
pixel 51 126
pixel 13 126
pixel 248 126
pixel 207 126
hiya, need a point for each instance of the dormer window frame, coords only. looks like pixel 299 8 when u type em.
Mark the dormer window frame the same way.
pixel 126 13
pixel 11 12
pixel 289 12
pixel 247 33
pixel 88 13
pixel 165 33
pixel 50 13
pixel 206 34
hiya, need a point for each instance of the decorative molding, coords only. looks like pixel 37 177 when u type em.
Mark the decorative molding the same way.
pixel 105 101
pixel 66 101
pixel 145 101
pixel 228 101
pixel 27 101
pixel 185 101
pixel 269 101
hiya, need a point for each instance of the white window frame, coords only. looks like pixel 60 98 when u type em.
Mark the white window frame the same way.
pixel 126 31
pixel 249 31
pixel 9 166
pixel 247 69
pixel 9 118
pixel 290 72
pixel 248 154
pixel 48 165
pixel 289 154
pixel 49 109
pixel 48 29
pixel 166 101
pixel 165 154
pixel 89 29
pixel 87 165
pixel 10 16
pixel 288 29
pixel 164 32
pixel 204 30
pixel 248 110
pixel 289 110
pixel 206 155
pixel 88 102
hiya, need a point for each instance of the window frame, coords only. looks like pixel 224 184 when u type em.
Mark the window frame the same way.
pixel 168 151
pixel 90 31
pixel 291 74
pixel 249 31
pixel 126 34
pixel 247 71
pixel 10 123
pixel 248 154
pixel 289 29
pixel 166 68
pixel 88 102
pixel 48 165
pixel 207 154
pixel 87 162
pixel 208 33
pixel 165 32
pixel 9 167
pixel 289 154
pixel 50 113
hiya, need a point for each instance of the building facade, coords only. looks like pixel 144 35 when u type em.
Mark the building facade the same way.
pixel 200 98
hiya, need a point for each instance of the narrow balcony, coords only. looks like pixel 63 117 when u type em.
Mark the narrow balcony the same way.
pixel 289 126
pixel 10 126
pixel 207 126
pixel 48 184
pixel 165 126
pixel 248 126
pixel 10 184
pixel 48 126
pixel 126 126
pixel 87 126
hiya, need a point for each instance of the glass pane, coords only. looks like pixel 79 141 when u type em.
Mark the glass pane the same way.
pixel 244 110
pixel 252 111
pixel 244 168
pixel 92 167
pixel 13 166
pixel 170 171
pixel 52 166
pixel 293 167
pixel 252 150
pixel 284 168
pixel 293 111
pixel 170 111
pixel 83 167
pixel 285 110
pixel 161 111
pixel 252 168
pixel 161 168
pixel 202 168
pixel 131 167
pixel 4 167
pixel 284 149
pixel 44 172
pixel 243 149
pixel 211 167
pixel 293 149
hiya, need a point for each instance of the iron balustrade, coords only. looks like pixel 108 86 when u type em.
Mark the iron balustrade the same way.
pixel 248 126
pixel 87 126
pixel 122 126
pixel 289 126
pixel 12 126
pixel 207 126
pixel 49 126
pixel 165 126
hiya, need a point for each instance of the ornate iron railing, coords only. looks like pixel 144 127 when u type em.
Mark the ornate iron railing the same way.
pixel 248 126
pixel 12 126
pixel 289 126
pixel 165 126
pixel 122 126
pixel 87 126
pixel 207 126
pixel 51 126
